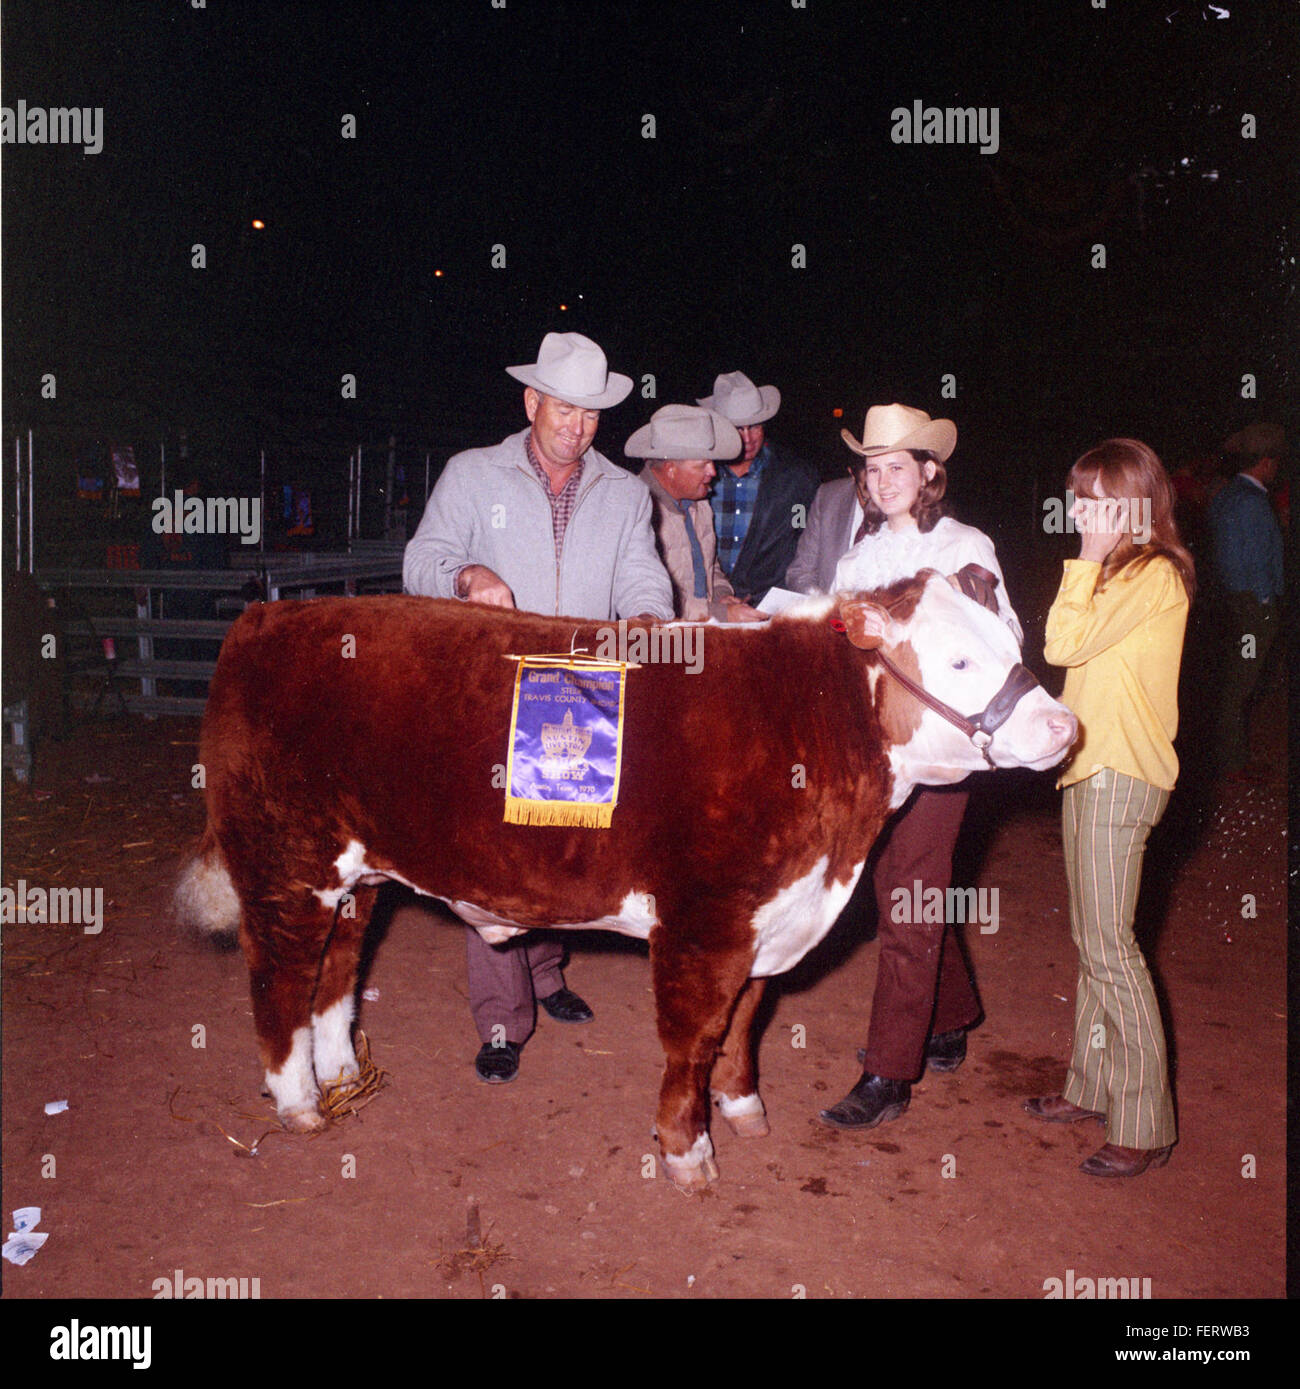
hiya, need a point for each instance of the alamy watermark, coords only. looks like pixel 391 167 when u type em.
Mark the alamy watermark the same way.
pixel 53 125
pixel 946 125
pixel 1072 514
pixel 669 644
pixel 954 905
pixel 178 1286
pixel 241 516
pixel 73 1341
pixel 55 906
pixel 1072 1287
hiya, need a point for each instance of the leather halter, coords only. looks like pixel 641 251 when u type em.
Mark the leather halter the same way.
pixel 980 585
pixel 979 728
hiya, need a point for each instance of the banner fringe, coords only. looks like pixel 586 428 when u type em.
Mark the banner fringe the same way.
pixel 579 813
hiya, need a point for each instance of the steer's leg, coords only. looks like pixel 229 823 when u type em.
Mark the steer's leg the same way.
pixel 735 1077
pixel 695 992
pixel 332 1012
pixel 283 944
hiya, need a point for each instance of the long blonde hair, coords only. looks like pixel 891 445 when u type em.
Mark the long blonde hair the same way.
pixel 1128 468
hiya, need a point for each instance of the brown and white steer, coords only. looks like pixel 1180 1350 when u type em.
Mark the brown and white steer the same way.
pixel 751 793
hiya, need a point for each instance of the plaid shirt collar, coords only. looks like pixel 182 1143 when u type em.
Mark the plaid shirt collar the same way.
pixel 728 480
pixel 563 502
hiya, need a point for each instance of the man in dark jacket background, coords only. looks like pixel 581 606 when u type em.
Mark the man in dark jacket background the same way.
pixel 1248 563
pixel 761 499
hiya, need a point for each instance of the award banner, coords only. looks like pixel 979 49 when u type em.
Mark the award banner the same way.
pixel 566 742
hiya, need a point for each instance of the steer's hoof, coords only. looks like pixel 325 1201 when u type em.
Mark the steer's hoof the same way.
pixel 693 1170
pixel 693 1178
pixel 744 1116
pixel 749 1125
pixel 303 1120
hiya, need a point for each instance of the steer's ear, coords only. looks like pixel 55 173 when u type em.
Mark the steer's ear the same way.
pixel 978 583
pixel 865 622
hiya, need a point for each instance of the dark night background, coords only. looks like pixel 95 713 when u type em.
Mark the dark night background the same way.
pixel 523 126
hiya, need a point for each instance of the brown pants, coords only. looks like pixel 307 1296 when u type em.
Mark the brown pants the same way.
pixel 506 980
pixel 922 983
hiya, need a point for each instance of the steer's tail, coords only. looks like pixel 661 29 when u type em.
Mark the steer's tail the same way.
pixel 205 899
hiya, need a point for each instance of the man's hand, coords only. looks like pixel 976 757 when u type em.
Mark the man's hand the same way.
pixel 740 611
pixel 478 584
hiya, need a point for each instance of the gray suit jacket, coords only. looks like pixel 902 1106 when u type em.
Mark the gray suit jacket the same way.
pixel 828 535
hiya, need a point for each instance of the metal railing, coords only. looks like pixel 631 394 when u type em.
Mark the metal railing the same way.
pixel 292 575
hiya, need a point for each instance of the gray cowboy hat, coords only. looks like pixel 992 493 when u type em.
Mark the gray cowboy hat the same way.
pixel 742 402
pixel 572 368
pixel 684 431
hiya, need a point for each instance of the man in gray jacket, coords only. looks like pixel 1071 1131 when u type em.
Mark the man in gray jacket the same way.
pixel 544 523
pixel 835 525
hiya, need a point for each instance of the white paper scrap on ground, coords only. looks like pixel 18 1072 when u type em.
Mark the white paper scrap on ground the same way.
pixel 777 600
pixel 56 1106
pixel 18 1249
pixel 24 1239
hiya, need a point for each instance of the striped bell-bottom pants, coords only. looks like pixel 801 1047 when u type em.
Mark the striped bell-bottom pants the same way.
pixel 1118 1065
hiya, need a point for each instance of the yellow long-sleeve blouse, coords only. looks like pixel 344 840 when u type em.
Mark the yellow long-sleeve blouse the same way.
pixel 1122 648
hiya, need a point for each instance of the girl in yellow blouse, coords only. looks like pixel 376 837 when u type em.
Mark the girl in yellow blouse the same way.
pixel 1117 626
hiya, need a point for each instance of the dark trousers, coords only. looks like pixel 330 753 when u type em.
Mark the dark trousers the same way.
pixel 1242 615
pixel 922 983
pixel 505 981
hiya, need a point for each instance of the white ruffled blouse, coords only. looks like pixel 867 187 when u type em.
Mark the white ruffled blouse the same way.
pixel 880 559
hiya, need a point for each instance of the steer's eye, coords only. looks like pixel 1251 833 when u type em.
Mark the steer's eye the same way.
pixel 961 664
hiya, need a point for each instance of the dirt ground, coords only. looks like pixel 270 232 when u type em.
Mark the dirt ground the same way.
pixel 167 1159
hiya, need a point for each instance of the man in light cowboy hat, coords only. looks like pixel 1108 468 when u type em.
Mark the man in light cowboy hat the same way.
pixel 541 522
pixel 761 500
pixel 680 444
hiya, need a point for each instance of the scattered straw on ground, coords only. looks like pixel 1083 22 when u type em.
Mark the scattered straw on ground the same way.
pixel 341 1098
pixel 477 1254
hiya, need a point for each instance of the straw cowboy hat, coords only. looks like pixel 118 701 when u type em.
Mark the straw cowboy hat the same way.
pixel 896 428
pixel 684 431
pixel 1259 440
pixel 742 402
pixel 573 369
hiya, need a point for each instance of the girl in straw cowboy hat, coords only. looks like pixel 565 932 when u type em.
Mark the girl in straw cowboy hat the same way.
pixel 924 1001
pixel 1117 626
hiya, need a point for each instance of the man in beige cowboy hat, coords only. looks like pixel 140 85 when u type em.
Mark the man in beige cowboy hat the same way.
pixel 680 445
pixel 542 522
pixel 761 500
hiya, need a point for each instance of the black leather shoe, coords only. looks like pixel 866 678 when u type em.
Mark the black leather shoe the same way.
pixel 497 1065
pixel 565 1006
pixel 873 1100
pixel 946 1051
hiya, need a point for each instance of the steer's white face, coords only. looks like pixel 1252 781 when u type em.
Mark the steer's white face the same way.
pixel 965 653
